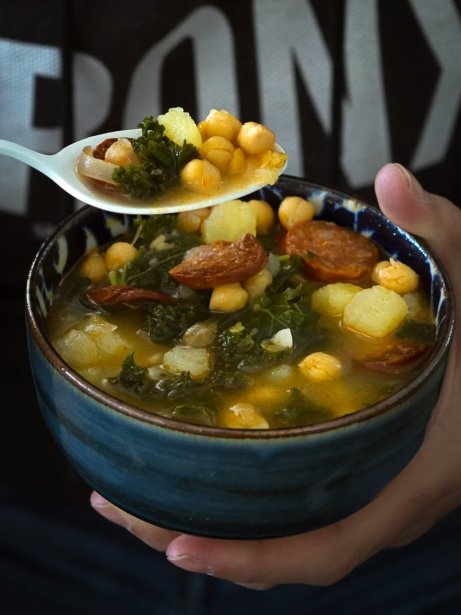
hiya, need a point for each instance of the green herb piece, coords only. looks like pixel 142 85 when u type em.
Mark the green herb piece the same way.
pixel 175 387
pixel 195 413
pixel 162 161
pixel 240 335
pixel 299 411
pixel 132 376
pixel 166 323
pixel 150 269
pixel 418 332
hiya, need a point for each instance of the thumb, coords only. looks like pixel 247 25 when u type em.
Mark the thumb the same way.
pixel 432 217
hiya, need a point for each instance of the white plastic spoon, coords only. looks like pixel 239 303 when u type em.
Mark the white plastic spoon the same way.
pixel 61 168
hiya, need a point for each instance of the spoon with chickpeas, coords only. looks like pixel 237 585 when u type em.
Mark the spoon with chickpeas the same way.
pixel 168 164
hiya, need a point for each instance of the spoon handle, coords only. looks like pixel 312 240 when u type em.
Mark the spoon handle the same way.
pixel 32 158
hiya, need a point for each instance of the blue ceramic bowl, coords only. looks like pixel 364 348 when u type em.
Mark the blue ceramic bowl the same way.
pixel 223 482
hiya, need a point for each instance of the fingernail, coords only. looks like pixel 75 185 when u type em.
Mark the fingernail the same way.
pixel 410 179
pixel 97 501
pixel 108 510
pixel 190 563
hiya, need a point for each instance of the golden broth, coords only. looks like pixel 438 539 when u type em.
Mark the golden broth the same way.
pixel 277 391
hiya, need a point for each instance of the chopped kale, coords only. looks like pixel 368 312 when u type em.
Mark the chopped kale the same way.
pixel 166 323
pixel 240 336
pixel 289 266
pixel 132 376
pixel 150 227
pixel 150 269
pixel 161 162
pixel 177 387
pixel 195 413
pixel 418 332
pixel 299 411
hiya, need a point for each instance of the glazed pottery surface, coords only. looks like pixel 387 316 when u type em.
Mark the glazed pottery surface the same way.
pixel 223 482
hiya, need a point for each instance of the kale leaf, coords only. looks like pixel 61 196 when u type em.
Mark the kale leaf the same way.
pixel 132 376
pixel 297 410
pixel 150 268
pixel 161 162
pixel 166 323
pixel 238 349
pixel 240 336
pixel 174 388
pixel 418 332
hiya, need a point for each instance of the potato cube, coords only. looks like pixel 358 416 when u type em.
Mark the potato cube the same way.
pixel 112 344
pixel 375 311
pixel 196 361
pixel 96 325
pixel 109 342
pixel 78 349
pixel 229 221
pixel 180 127
pixel 331 299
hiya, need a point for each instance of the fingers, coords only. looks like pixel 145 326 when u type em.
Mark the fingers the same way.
pixel 405 509
pixel 320 557
pixel 398 515
pixel 432 217
pixel 155 537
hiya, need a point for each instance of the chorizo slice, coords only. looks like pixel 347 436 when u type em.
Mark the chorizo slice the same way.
pixel 220 262
pixel 123 293
pixel 396 357
pixel 331 253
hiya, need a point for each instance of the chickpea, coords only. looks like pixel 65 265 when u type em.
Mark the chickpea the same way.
pixel 218 151
pixel 228 298
pixel 118 254
pixel 294 210
pixel 375 274
pixel 255 138
pixel 238 162
pixel 320 366
pixel 243 415
pixel 191 221
pixel 121 153
pixel 265 216
pixel 201 176
pixel 94 267
pixel 251 164
pixel 257 283
pixel 220 124
pixel 395 276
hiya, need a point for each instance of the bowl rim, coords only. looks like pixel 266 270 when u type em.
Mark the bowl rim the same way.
pixel 130 411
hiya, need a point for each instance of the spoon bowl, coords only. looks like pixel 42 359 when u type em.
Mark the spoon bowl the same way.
pixel 61 168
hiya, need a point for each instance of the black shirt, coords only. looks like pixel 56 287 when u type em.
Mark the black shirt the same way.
pixel 347 86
